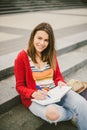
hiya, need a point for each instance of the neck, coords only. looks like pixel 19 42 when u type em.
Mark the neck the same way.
pixel 38 55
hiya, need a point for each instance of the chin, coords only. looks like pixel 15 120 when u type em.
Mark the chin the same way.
pixel 40 50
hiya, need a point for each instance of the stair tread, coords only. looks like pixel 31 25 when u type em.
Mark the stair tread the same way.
pixel 22 6
pixel 71 59
pixel 7 61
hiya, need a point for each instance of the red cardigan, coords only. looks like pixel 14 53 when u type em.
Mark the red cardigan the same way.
pixel 25 84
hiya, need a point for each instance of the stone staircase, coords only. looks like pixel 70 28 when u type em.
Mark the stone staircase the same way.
pixel 19 6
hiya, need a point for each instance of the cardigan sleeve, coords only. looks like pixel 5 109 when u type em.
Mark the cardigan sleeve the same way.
pixel 20 75
pixel 57 74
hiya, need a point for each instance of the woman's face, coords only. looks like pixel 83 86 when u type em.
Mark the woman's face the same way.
pixel 41 41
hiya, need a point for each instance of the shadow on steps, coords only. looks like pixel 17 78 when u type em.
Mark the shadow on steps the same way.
pixel 66 125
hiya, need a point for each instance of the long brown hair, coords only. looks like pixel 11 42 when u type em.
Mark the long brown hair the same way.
pixel 49 52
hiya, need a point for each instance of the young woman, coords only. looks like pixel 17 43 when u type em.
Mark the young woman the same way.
pixel 38 66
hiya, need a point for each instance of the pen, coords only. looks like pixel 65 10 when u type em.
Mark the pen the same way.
pixel 38 87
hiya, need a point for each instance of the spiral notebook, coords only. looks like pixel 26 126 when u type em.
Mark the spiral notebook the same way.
pixel 55 95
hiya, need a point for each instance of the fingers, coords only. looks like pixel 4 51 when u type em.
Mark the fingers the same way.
pixel 42 94
pixel 60 83
pixel 39 95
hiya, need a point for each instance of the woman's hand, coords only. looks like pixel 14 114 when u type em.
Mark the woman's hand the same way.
pixel 39 94
pixel 60 84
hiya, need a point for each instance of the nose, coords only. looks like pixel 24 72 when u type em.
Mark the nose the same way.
pixel 42 41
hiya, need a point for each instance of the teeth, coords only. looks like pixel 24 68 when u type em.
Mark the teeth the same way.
pixel 40 46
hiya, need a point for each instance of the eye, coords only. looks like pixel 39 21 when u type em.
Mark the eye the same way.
pixel 39 38
pixel 46 40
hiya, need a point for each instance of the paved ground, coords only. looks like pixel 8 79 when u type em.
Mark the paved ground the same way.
pixel 15 28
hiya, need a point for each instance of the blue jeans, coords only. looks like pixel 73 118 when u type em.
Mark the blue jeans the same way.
pixel 72 104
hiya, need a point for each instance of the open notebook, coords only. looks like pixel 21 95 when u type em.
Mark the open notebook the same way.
pixel 55 95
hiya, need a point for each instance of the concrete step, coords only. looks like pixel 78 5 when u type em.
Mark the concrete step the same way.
pixel 69 63
pixel 22 119
pixel 72 61
pixel 63 45
pixel 34 9
pixel 28 6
